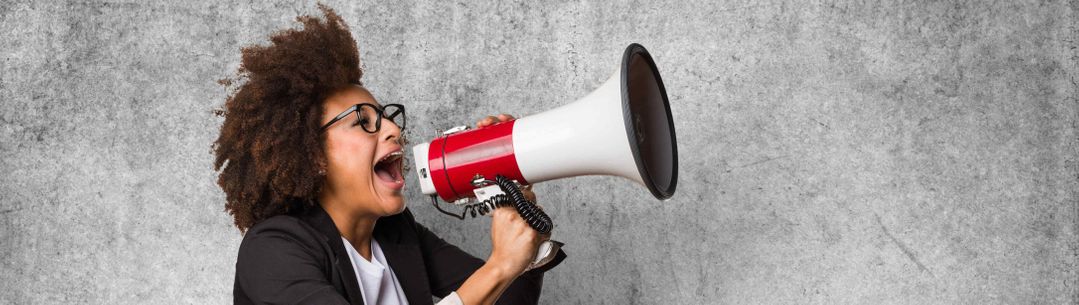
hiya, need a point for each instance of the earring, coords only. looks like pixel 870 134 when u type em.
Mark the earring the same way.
pixel 322 172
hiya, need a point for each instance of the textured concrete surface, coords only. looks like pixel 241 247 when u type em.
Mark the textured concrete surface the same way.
pixel 831 152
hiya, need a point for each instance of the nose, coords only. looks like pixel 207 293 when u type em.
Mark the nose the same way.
pixel 391 132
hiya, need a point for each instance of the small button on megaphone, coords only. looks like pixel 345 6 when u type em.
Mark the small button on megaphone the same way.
pixel 624 128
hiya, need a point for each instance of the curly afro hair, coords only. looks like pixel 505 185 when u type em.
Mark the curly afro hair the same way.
pixel 269 152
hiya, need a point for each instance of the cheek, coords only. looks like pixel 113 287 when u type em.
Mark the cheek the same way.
pixel 351 157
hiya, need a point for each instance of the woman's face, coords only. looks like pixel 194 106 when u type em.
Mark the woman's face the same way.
pixel 363 169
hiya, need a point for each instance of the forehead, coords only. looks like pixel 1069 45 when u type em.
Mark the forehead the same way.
pixel 346 97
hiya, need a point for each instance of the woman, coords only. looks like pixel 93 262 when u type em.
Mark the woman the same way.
pixel 311 166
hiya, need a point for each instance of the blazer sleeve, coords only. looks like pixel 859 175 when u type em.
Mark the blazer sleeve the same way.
pixel 448 267
pixel 278 264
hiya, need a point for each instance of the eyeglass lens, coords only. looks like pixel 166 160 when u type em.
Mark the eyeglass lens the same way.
pixel 396 114
pixel 367 117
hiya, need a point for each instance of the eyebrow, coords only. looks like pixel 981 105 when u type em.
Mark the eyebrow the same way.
pixel 376 103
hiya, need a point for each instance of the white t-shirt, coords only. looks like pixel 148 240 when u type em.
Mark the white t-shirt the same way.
pixel 378 284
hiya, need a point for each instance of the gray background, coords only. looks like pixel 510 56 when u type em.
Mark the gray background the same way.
pixel 831 152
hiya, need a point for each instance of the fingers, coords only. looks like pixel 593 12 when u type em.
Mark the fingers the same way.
pixel 508 214
pixel 509 221
pixel 491 120
pixel 503 212
pixel 528 194
pixel 487 121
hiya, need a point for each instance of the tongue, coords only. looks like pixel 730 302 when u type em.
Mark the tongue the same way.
pixel 384 174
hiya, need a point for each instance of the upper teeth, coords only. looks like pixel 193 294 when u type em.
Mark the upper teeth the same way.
pixel 390 155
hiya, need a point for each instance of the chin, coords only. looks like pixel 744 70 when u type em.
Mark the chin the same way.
pixel 394 205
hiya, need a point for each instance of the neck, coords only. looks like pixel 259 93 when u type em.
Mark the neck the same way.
pixel 354 225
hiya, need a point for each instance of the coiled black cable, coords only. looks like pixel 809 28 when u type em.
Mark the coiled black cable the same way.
pixel 532 214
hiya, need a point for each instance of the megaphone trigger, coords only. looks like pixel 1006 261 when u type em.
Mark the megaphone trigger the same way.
pixel 484 194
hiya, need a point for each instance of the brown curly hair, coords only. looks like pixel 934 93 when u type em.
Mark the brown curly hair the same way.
pixel 269 152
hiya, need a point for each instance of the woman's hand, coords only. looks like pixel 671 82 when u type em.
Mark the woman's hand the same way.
pixel 491 120
pixel 513 242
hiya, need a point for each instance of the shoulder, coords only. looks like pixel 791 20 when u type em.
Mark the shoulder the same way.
pixel 279 234
pixel 280 226
pixel 286 259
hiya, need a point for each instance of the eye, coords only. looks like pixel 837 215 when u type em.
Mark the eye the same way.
pixel 361 121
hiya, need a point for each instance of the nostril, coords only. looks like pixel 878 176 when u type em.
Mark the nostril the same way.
pixel 399 140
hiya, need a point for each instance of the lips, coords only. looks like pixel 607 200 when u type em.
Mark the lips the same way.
pixel 388 169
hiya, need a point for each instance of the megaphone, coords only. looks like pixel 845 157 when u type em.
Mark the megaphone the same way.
pixel 624 128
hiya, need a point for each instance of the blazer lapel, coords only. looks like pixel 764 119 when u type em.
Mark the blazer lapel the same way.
pixel 404 257
pixel 321 221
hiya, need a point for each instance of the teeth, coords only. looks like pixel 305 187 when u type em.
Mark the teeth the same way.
pixel 391 155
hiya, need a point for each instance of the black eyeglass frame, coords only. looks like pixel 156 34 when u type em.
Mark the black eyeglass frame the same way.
pixel 378 110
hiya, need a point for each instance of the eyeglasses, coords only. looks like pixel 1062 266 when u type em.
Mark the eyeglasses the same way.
pixel 367 116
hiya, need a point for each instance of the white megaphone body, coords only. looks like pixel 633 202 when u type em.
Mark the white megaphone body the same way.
pixel 623 128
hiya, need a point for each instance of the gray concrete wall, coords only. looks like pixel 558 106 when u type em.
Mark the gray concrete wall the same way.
pixel 831 152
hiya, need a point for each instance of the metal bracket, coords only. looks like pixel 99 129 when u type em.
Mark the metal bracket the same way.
pixel 456 129
pixel 479 181
pixel 486 192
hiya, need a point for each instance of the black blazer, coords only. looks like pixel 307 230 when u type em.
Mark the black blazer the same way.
pixel 301 259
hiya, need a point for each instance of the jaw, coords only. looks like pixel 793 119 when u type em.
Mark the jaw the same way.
pixel 385 199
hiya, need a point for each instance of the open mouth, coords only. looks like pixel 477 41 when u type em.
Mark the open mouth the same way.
pixel 388 168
